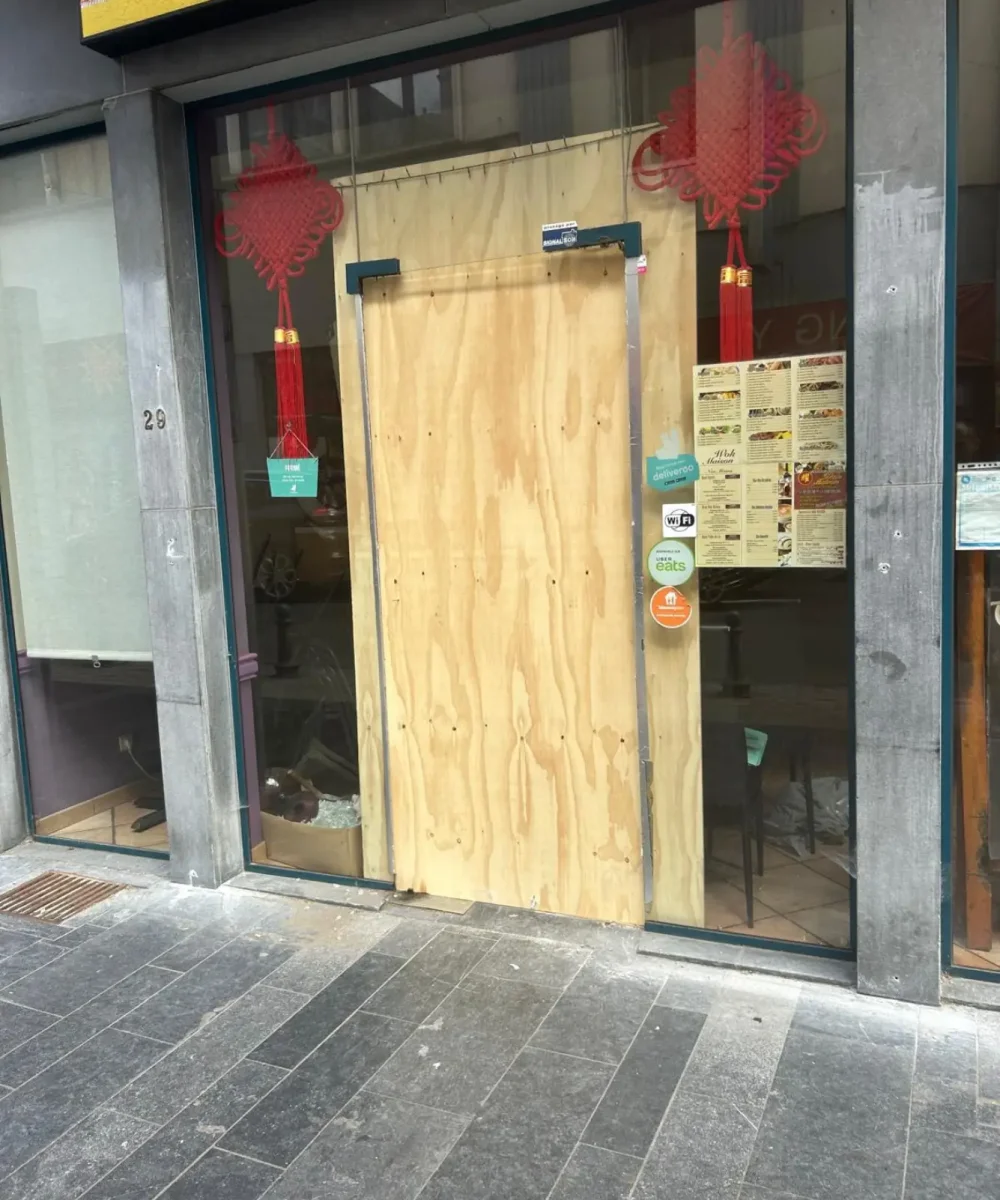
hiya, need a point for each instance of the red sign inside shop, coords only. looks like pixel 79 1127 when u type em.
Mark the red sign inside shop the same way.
pixel 822 325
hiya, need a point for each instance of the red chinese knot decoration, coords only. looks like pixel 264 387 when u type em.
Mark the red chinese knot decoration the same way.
pixel 278 218
pixel 730 138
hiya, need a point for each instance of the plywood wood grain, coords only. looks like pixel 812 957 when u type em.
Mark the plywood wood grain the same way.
pixel 668 305
pixel 500 441
pixel 475 210
pixel 366 678
pixel 487 206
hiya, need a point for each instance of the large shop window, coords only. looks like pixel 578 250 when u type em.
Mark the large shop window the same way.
pixel 71 505
pixel 484 708
pixel 975 808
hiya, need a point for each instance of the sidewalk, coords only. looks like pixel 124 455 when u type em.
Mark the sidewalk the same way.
pixel 228 1045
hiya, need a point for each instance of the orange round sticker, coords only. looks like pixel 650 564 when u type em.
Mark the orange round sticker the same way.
pixel 670 608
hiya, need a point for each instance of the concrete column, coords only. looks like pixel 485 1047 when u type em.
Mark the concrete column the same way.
pixel 898 362
pixel 180 523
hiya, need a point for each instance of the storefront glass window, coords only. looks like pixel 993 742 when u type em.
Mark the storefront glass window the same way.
pixel 751 807
pixel 975 809
pixel 544 738
pixel 71 506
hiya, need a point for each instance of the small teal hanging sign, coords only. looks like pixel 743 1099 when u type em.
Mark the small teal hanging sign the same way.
pixel 668 468
pixel 293 476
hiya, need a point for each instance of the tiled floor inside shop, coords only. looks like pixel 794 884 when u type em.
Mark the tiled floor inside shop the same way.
pixel 797 899
pixel 113 827
pixel 192 1045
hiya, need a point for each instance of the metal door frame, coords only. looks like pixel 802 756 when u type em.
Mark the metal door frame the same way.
pixel 628 237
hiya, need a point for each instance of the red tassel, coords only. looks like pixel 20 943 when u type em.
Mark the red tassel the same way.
pixel 736 303
pixel 296 445
pixel 281 387
pixel 728 347
pixel 292 432
pixel 744 314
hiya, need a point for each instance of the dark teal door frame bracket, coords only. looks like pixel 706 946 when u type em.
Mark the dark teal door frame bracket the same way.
pixel 374 268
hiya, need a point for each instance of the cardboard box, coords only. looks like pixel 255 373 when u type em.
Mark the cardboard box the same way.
pixel 313 847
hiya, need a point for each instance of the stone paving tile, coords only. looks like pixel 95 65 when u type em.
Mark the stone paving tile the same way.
pixel 65 1035
pixel 595 1174
pixel 173 1148
pixel 208 987
pixel 941 1166
pixel 835 1123
pixel 415 992
pixel 84 972
pixel 11 941
pixel 517 1146
pixel 222 1176
pixel 204 1057
pixel 598 1014
pixel 629 1114
pixel 79 1158
pixel 281 1127
pixel 310 969
pixel 34 1115
pixel 407 938
pixel 377 1147
pixel 18 1025
pixel 498 1054
pixel 544 963
pixel 25 962
pixel 316 1020
pixel 455 1059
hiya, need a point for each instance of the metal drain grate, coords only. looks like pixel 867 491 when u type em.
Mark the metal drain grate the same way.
pixel 56 895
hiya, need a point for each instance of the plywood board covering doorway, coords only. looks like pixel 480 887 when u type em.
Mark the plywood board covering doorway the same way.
pixel 481 207
pixel 500 444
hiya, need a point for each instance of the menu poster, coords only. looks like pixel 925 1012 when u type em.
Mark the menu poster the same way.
pixel 771 444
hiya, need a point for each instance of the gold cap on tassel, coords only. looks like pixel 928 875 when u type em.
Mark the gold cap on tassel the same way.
pixel 292 337
pixel 279 336
pixel 727 275
pixel 744 277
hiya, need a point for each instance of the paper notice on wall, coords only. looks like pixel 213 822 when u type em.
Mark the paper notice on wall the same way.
pixel 771 444
pixel 819 513
pixel 720 516
pixel 977 495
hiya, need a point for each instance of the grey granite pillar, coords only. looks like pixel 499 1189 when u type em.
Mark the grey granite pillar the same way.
pixel 899 364
pixel 180 524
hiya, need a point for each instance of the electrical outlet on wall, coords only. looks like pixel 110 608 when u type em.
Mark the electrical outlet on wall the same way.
pixel 125 743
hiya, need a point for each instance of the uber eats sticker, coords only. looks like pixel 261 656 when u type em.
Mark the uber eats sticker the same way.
pixel 670 562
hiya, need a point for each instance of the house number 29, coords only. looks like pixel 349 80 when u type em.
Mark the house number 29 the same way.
pixel 151 419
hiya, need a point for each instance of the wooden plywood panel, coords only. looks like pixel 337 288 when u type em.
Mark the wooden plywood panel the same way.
pixel 478 207
pixel 490 206
pixel 500 442
pixel 363 617
pixel 487 206
pixel 668 303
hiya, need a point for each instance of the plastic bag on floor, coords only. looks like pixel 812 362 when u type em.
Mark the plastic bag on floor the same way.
pixel 785 822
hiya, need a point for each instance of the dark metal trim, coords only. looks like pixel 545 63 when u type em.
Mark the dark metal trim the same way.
pixel 374 268
pixel 739 939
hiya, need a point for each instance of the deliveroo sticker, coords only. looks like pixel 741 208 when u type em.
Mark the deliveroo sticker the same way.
pixel 670 562
pixel 668 468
